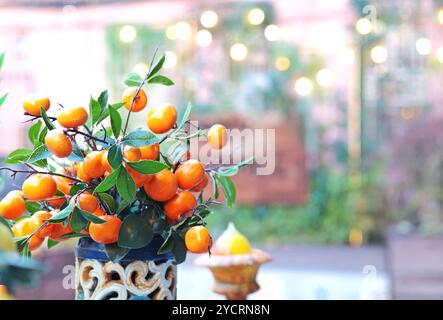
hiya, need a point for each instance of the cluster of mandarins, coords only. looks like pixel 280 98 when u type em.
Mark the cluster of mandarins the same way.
pixel 174 188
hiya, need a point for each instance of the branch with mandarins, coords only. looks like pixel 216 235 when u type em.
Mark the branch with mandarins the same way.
pixel 90 177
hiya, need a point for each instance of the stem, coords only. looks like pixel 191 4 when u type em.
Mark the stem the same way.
pixel 42 172
pixel 36 117
pixel 169 135
pixel 213 168
pixel 94 145
pixel 33 234
pixel 88 135
pixel 138 90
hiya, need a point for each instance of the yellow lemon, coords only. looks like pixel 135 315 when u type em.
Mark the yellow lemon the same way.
pixel 232 242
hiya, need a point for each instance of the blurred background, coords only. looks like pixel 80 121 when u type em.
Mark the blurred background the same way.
pixel 353 88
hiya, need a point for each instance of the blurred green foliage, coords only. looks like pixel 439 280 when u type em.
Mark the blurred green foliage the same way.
pixel 338 203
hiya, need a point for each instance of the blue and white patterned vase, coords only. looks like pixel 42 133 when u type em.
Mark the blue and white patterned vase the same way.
pixel 141 275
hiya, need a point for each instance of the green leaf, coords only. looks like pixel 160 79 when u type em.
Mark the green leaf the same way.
pixel 41 163
pixel 109 140
pixel 179 250
pixel 167 245
pixel 116 122
pixel 51 243
pixel 33 207
pixel 161 80
pixel 140 138
pixel 108 182
pixel 229 189
pixel 125 185
pixel 41 137
pixel 62 215
pixel 2 59
pixel 182 136
pixel 115 253
pixel 105 113
pixel 76 188
pixel 19 241
pixel 147 166
pixel 78 221
pixel 133 80
pixel 246 162
pixel 115 156
pixel 24 251
pixel 39 153
pixel 34 131
pixel 73 235
pixel 3 99
pixel 228 172
pixel 203 213
pixel 122 206
pixel 94 111
pixel 185 116
pixel 108 200
pixel 103 101
pixel 214 184
pixel 157 66
pixel 91 217
pixel 17 156
pixel 135 232
pixel 76 154
pixel 46 119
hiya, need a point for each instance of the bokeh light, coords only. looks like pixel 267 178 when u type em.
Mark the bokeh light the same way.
pixel 346 55
pixel 379 54
pixel 128 34
pixel 440 16
pixel 256 16
pixel 325 77
pixel 303 86
pixel 183 30
pixel 170 60
pixel 363 26
pixel 282 63
pixel 141 69
pixel 238 52
pixel 203 38
pixel 272 32
pixel 209 19
pixel 423 46
pixel 170 32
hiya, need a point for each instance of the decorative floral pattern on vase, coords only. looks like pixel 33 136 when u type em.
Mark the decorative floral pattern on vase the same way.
pixel 136 280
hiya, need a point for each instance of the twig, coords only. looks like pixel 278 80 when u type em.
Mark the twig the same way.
pixel 91 137
pixel 93 145
pixel 36 117
pixel 214 168
pixel 14 171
